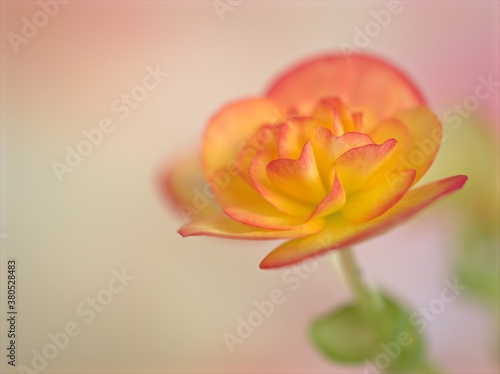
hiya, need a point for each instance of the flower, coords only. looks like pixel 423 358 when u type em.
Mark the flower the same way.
pixel 327 158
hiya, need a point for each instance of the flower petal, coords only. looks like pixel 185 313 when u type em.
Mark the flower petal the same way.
pixel 361 81
pixel 267 218
pixel 294 134
pixel 324 112
pixel 333 202
pixel 264 138
pixel 372 202
pixel 229 131
pixel 356 166
pixel 424 138
pixel 242 202
pixel 220 225
pixel 298 178
pixel 184 186
pixel 337 116
pixel 327 148
pixel 390 129
pixel 268 190
pixel 340 233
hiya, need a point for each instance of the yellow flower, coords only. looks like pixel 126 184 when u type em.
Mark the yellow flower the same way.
pixel 327 158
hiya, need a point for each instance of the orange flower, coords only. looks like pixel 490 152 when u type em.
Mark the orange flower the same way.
pixel 327 159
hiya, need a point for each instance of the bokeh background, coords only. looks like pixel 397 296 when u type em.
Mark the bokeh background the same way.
pixel 109 214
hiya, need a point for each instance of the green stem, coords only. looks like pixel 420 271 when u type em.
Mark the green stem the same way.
pixel 368 300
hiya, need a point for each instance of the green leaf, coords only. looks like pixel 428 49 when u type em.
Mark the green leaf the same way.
pixel 478 261
pixel 385 338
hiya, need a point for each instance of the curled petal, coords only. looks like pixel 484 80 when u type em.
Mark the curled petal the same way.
pixel 337 116
pixel 245 204
pixel 333 202
pixel 220 225
pixel 356 166
pixel 328 148
pixel 424 138
pixel 296 176
pixel 294 134
pixel 362 82
pixel 230 130
pixel 372 202
pixel 266 217
pixel 340 233
pixel 324 112
pixel 391 129
pixel 264 138
pixel 274 196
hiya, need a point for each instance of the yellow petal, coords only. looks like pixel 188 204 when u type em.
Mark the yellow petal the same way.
pixel 391 129
pixel 279 199
pixel 268 217
pixel 424 138
pixel 220 225
pixel 337 116
pixel 371 202
pixel 229 132
pixel 327 148
pixel 333 202
pixel 265 138
pixel 242 202
pixel 294 134
pixel 356 166
pixel 340 233
pixel 298 178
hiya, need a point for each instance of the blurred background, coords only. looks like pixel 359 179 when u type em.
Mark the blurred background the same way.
pixel 151 74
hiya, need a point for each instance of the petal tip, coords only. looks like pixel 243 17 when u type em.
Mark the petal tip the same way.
pixel 184 232
pixel 267 264
pixel 459 181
